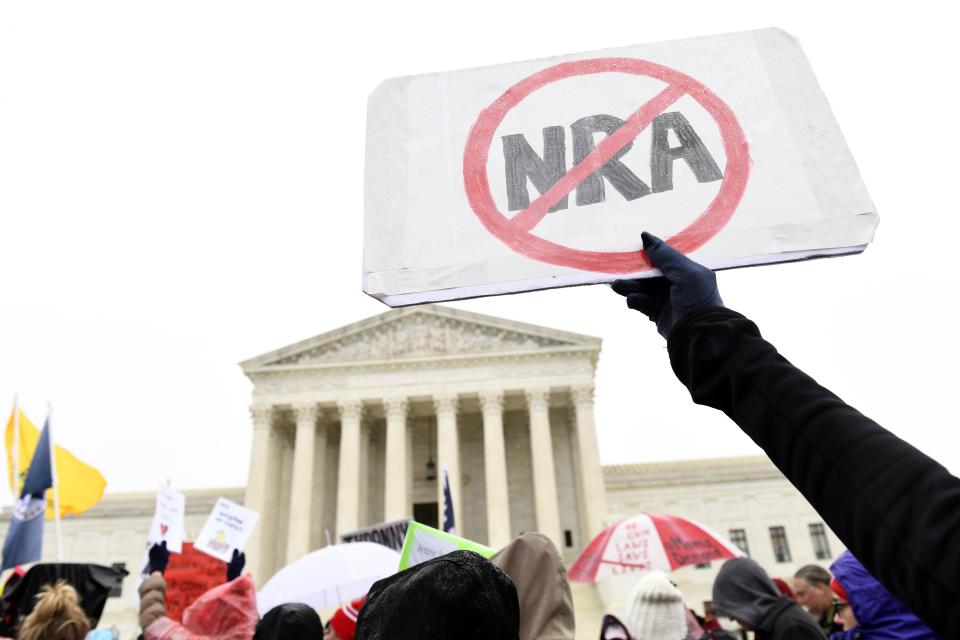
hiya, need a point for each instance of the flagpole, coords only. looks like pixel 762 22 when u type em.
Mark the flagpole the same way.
pixel 53 475
pixel 16 448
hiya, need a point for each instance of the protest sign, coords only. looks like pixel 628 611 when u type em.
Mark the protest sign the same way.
pixel 544 173
pixel 190 574
pixel 228 527
pixel 389 534
pixel 167 521
pixel 425 543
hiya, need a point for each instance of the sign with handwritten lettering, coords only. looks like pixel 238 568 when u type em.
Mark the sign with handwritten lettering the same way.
pixel 228 527
pixel 544 173
pixel 167 525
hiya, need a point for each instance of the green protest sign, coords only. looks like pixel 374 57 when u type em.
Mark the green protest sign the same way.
pixel 425 543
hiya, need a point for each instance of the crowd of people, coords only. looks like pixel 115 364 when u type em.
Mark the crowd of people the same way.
pixel 894 508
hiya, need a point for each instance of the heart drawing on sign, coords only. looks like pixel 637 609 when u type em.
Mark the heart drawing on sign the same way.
pixel 163 529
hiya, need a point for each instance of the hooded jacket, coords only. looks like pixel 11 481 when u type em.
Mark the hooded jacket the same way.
pixel 290 621
pixel 546 604
pixel 744 592
pixel 880 616
pixel 459 595
pixel 895 508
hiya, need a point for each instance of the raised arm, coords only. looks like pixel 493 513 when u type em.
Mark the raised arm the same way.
pixel 895 508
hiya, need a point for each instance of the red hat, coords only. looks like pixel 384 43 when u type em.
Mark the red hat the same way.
pixel 344 620
pixel 784 588
pixel 837 588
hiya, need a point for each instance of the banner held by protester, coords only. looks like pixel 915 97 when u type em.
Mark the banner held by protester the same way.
pixel 543 173
pixel 228 527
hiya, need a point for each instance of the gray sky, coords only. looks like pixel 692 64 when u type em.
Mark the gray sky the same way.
pixel 181 188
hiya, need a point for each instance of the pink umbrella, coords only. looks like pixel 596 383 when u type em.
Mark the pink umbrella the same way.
pixel 650 541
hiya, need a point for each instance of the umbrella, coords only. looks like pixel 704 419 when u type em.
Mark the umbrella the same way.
pixel 330 576
pixel 650 541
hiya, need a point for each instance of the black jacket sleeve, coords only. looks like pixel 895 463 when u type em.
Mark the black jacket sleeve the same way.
pixel 896 509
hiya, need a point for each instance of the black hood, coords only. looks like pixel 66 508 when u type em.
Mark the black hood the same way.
pixel 744 591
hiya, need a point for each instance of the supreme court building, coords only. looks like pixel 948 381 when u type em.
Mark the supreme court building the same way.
pixel 351 428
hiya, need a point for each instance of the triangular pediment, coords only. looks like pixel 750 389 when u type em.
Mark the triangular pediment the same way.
pixel 420 332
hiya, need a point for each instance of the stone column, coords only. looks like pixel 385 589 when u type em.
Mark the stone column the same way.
pixel 319 509
pixel 396 499
pixel 258 495
pixel 499 532
pixel 591 472
pixel 448 453
pixel 348 486
pixel 301 484
pixel 544 474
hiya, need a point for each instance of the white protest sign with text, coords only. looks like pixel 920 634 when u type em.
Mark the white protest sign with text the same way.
pixel 228 527
pixel 168 523
pixel 544 173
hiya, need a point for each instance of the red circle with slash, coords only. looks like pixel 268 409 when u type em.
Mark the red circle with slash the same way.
pixel 515 232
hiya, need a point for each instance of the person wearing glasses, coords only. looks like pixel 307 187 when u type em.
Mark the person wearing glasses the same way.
pixel 866 610
pixel 897 509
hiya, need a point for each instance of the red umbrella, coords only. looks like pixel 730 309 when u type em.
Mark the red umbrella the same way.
pixel 650 541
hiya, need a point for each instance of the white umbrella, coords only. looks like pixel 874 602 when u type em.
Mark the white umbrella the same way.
pixel 330 576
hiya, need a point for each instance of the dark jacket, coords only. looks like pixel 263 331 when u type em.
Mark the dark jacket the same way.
pixel 880 616
pixel 895 508
pixel 743 591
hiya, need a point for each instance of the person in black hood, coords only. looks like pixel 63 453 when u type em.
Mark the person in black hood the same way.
pixel 290 621
pixel 743 591
pixel 458 595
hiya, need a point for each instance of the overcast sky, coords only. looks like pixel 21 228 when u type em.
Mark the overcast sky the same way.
pixel 181 189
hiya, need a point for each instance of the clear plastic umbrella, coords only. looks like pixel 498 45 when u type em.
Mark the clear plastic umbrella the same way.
pixel 330 576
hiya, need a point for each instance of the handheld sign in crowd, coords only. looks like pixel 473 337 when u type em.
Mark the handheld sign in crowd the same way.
pixel 544 173
pixel 389 534
pixel 425 543
pixel 190 574
pixel 228 527
pixel 167 524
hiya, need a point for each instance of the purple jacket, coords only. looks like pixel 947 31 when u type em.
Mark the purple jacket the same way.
pixel 879 615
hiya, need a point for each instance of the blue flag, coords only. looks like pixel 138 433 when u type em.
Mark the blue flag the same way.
pixel 448 522
pixel 24 541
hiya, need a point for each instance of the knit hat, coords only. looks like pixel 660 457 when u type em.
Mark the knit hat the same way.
pixel 837 588
pixel 458 595
pixel 655 609
pixel 344 620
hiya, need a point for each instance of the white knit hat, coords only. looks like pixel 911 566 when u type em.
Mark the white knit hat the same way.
pixel 655 609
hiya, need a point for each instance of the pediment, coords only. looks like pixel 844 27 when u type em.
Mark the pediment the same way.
pixel 423 332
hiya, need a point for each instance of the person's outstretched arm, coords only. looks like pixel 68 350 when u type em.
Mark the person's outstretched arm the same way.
pixel 897 510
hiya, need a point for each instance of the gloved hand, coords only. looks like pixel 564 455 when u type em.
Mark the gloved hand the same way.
pixel 235 566
pixel 685 286
pixel 159 557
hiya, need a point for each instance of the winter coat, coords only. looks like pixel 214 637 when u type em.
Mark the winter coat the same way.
pixel 225 612
pixel 743 591
pixel 895 508
pixel 153 596
pixel 546 604
pixel 880 616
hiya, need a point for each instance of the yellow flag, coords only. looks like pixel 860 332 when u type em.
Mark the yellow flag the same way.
pixel 80 486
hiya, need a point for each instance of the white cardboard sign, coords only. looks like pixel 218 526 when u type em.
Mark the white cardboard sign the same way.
pixel 168 522
pixel 543 173
pixel 228 527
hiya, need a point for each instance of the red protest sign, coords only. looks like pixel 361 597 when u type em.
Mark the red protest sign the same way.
pixel 517 232
pixel 188 575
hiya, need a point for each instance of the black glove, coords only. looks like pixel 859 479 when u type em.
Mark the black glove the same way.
pixel 159 557
pixel 685 286
pixel 235 566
